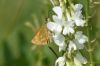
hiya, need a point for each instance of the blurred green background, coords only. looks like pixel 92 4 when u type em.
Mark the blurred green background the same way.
pixel 16 48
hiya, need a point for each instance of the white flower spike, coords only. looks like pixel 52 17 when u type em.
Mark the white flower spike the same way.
pixel 65 36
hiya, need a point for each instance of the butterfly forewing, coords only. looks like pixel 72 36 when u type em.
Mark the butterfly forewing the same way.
pixel 41 37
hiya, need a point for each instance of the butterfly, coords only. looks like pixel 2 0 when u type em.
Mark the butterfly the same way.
pixel 42 36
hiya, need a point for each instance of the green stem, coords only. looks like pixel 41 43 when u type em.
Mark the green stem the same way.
pixel 53 51
pixel 89 48
pixel 88 33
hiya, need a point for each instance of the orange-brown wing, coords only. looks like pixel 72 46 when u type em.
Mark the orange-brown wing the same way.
pixel 41 37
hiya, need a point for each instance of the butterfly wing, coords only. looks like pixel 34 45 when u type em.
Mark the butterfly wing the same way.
pixel 41 37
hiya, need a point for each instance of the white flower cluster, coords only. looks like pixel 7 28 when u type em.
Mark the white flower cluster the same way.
pixel 62 28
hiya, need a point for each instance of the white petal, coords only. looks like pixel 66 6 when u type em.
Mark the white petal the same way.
pixel 69 23
pixel 68 27
pixel 78 34
pixel 54 27
pixel 77 15
pixel 58 11
pixel 60 61
pixel 72 46
pixel 71 30
pixel 68 30
pixel 83 39
pixel 77 62
pixel 59 39
pixel 57 20
pixel 79 22
pixel 51 26
pixel 58 28
pixel 78 7
pixel 62 48
pixel 65 31
pixel 81 58
pixel 80 37
pixel 78 45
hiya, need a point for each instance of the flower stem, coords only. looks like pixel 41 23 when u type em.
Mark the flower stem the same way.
pixel 89 48
pixel 53 51
pixel 88 33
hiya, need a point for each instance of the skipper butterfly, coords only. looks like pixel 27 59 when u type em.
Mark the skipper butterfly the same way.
pixel 41 37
